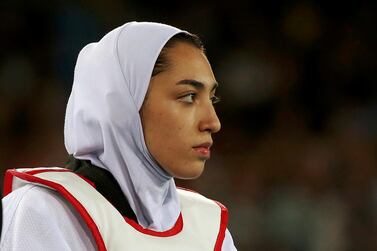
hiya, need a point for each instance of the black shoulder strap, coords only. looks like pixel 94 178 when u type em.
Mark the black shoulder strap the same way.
pixel 105 184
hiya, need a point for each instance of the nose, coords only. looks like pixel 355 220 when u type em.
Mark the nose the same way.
pixel 210 121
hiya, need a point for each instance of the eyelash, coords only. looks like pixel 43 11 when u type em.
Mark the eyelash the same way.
pixel 214 99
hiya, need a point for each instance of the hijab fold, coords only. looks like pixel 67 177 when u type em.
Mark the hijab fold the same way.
pixel 103 125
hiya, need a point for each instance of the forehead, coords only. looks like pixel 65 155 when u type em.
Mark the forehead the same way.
pixel 188 62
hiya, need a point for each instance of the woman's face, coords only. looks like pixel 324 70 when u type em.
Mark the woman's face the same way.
pixel 178 116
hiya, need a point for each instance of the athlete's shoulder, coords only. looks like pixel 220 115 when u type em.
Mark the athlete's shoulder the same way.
pixel 29 195
pixel 194 197
pixel 31 199
pixel 27 204
pixel 38 218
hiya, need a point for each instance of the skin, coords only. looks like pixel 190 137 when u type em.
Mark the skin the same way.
pixel 178 114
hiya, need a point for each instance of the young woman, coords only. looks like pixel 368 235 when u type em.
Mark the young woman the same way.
pixel 140 114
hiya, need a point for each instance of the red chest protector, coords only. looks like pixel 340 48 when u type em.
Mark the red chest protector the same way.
pixel 201 225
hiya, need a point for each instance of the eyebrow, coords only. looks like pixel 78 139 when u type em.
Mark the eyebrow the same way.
pixel 196 84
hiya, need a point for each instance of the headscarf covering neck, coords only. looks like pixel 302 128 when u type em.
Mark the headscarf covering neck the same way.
pixel 103 124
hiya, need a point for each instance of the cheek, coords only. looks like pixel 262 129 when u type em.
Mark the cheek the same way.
pixel 172 124
pixel 160 129
pixel 169 137
pixel 170 131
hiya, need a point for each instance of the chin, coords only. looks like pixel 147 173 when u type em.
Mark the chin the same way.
pixel 191 173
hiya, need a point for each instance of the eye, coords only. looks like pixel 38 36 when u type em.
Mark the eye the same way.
pixel 188 98
pixel 215 99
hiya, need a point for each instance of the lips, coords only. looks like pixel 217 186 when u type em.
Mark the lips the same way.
pixel 206 145
pixel 203 149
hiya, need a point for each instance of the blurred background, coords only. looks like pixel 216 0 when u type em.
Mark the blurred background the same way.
pixel 296 160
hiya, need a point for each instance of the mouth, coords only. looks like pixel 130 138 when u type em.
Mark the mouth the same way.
pixel 203 150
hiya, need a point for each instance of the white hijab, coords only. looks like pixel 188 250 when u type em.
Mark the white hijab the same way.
pixel 103 125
